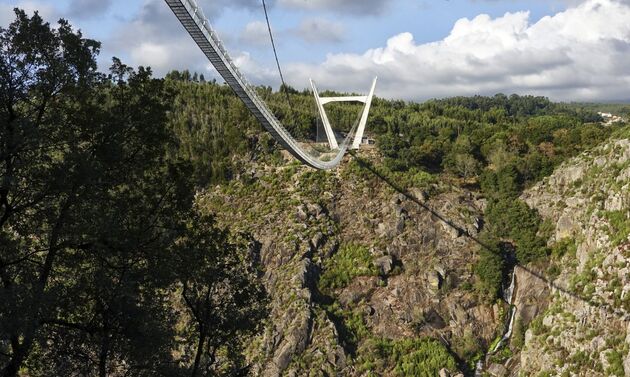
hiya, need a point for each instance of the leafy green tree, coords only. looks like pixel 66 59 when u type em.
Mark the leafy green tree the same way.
pixel 91 213
pixel 44 73
pixel 217 287
pixel 490 269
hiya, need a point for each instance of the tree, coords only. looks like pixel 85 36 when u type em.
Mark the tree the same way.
pixel 460 159
pixel 91 213
pixel 218 290
pixel 43 74
pixel 490 269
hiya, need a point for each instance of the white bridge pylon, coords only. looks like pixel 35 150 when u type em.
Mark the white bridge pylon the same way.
pixel 330 134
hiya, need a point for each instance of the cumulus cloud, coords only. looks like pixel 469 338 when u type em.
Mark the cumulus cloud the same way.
pixel 255 33
pixel 318 30
pixel 581 53
pixel 88 8
pixel 360 7
pixel 46 11
pixel 155 38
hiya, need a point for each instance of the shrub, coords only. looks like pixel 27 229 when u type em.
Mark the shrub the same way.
pixel 349 262
pixel 420 357
pixel 489 270
pixel 616 364
pixel 619 226
pixel 518 335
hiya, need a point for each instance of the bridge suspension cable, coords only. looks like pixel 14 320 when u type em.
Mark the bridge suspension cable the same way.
pixel 275 54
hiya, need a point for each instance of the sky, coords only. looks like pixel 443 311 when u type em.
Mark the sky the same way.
pixel 568 50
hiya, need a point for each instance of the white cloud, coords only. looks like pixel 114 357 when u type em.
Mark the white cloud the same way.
pixel 318 30
pixel 581 53
pixel 46 11
pixel 155 38
pixel 578 54
pixel 255 33
pixel 361 7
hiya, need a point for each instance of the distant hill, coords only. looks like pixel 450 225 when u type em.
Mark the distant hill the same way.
pixel 619 108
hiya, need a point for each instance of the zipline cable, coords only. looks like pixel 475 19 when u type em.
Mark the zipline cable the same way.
pixel 275 53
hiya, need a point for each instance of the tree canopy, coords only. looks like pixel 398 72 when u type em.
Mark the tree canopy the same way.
pixel 98 233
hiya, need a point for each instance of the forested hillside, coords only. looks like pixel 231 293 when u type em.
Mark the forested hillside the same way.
pixel 150 226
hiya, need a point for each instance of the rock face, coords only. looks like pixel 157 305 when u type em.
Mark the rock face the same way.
pixel 571 315
pixel 581 326
pixel 423 267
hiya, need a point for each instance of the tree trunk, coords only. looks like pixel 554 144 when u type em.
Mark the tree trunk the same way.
pixel 102 358
pixel 18 356
pixel 200 346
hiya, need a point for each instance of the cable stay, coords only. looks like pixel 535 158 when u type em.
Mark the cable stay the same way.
pixel 191 16
pixel 284 87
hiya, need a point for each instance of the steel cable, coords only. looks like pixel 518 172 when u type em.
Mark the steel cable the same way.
pixel 275 53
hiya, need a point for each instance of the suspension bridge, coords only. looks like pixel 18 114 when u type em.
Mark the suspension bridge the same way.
pixel 191 16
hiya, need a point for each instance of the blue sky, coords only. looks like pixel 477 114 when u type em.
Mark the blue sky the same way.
pixel 419 48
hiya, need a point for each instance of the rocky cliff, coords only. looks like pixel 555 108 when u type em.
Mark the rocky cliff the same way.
pixel 364 281
pixel 360 278
pixel 577 308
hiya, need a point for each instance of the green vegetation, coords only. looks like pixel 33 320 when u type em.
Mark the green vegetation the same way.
pixel 513 220
pixel 615 108
pixel 106 268
pixel 518 335
pixel 408 357
pixel 350 324
pixel 489 269
pixel 619 229
pixel 468 347
pixel 349 262
pixel 615 359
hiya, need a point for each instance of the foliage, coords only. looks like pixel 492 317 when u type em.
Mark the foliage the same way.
pixel 619 228
pixel 219 292
pixel 518 335
pixel 422 357
pixel 211 127
pixel 467 347
pixel 515 221
pixel 490 269
pixel 350 324
pixel 349 262
pixel 615 359
pixel 96 220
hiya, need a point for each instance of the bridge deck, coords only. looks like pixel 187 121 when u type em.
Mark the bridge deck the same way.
pixel 191 17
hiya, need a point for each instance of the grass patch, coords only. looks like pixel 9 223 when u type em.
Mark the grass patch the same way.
pixel 349 262
pixel 422 357
pixel 619 228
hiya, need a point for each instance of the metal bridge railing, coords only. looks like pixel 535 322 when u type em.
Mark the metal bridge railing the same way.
pixel 196 15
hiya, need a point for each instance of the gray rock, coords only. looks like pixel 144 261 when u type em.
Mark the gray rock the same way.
pixel 497 370
pixel 434 281
pixel 400 226
pixel 301 213
pixel 314 209
pixel 318 240
pixel 385 264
